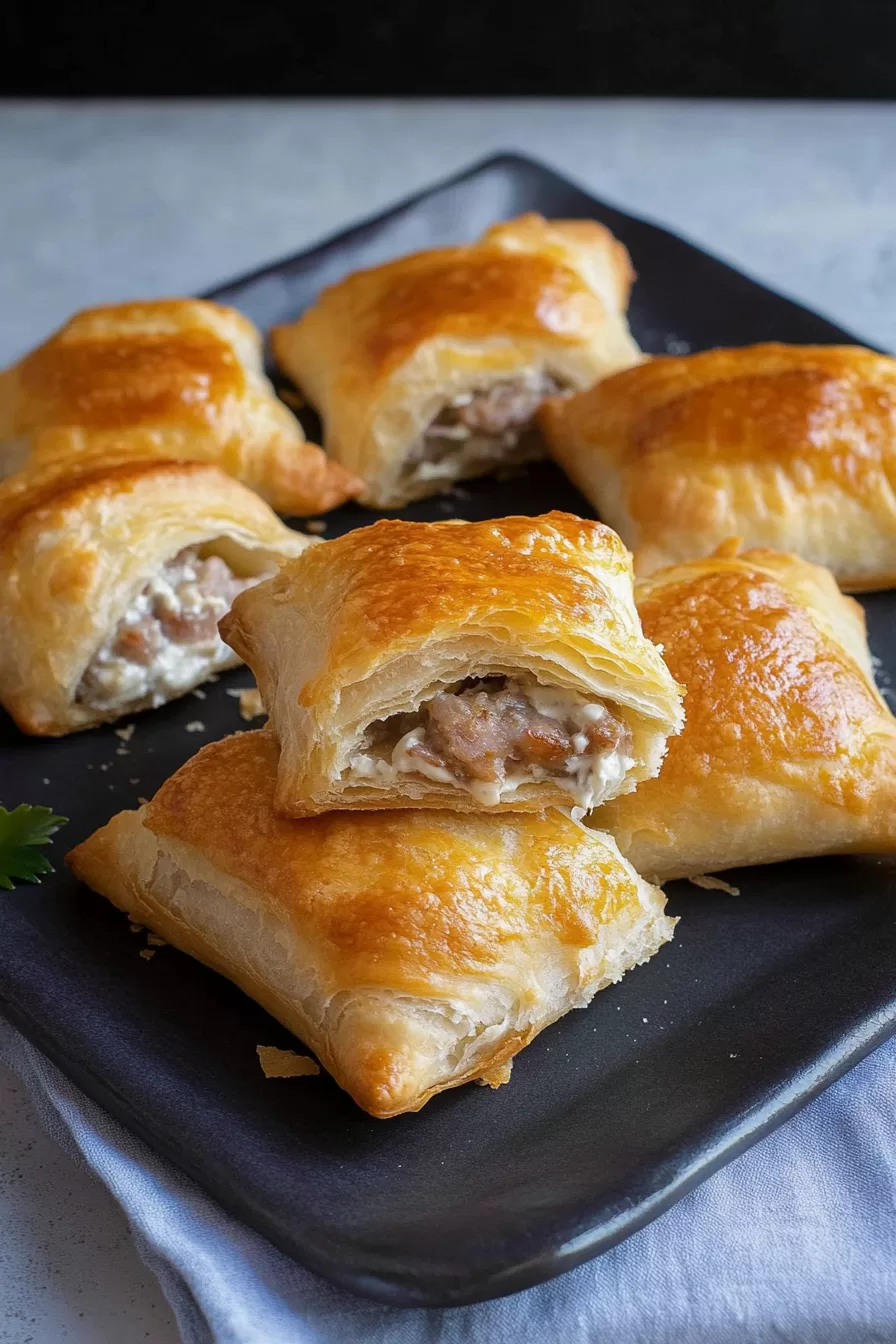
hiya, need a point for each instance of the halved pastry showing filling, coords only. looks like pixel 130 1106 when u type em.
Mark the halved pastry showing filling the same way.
pixel 411 951
pixel 496 666
pixel 431 368
pixel 114 574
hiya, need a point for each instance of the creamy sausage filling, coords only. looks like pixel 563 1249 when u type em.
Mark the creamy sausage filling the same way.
pixel 477 430
pixel 491 735
pixel 167 640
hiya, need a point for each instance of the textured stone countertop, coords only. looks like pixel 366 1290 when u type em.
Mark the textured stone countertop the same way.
pixel 104 202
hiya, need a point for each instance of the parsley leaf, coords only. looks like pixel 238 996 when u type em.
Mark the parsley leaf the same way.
pixel 21 831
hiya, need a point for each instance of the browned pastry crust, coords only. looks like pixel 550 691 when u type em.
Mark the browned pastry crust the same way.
pixel 788 750
pixel 412 951
pixel 179 378
pixel 376 623
pixel 791 447
pixel 79 540
pixel 384 351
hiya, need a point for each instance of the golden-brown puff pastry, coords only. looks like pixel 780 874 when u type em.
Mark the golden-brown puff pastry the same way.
pixel 429 369
pixel 412 951
pixel 497 665
pixel 179 378
pixel 788 750
pixel 783 445
pixel 113 576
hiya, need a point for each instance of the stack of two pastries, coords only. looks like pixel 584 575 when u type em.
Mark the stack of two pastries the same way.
pixel 396 867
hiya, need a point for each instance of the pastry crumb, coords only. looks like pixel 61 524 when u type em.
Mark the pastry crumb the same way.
pixel 155 941
pixel 316 526
pixel 284 1063
pixel 250 704
pixel 195 726
pixel 147 953
pixel 198 692
pixel 497 1076
pixel 714 884
pixel 133 781
pixel 125 733
pixel 136 928
pixel 122 751
pixel 105 765
pixel 46 781
pixel 141 800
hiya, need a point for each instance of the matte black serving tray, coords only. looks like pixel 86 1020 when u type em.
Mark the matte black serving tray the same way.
pixel 612 1114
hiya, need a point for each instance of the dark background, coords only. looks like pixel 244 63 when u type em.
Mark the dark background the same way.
pixel 684 48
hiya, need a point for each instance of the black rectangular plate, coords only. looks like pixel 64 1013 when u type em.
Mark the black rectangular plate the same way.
pixel 613 1113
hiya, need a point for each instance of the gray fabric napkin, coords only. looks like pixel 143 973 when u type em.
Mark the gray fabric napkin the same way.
pixel 794 1241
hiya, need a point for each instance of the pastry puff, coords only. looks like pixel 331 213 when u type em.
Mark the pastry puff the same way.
pixel 788 750
pixel 388 355
pixel 412 951
pixel 364 651
pixel 783 445
pixel 79 543
pixel 179 378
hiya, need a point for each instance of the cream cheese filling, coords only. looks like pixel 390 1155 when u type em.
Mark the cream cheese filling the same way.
pixel 450 447
pixel 475 451
pixel 588 776
pixel 118 682
pixel 115 681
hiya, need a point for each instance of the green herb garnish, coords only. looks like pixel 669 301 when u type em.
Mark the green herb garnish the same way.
pixel 21 832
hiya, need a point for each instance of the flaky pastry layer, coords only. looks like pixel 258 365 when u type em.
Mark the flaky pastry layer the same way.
pixel 384 351
pixel 177 378
pixel 377 622
pixel 786 446
pixel 788 749
pixel 78 543
pixel 411 951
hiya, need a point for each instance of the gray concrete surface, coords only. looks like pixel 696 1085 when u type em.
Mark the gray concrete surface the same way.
pixel 69 1273
pixel 104 202
pixel 108 202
